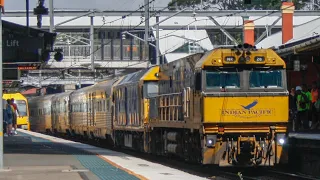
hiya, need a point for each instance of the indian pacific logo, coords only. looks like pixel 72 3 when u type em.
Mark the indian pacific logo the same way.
pixel 248 111
pixel 251 105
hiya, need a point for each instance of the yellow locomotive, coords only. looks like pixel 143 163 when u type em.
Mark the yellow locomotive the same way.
pixel 226 107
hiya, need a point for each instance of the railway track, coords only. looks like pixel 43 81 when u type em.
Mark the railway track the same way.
pixel 209 172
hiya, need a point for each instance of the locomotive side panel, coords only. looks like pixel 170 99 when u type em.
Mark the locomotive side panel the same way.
pixel 130 96
pixel 175 100
pixel 175 131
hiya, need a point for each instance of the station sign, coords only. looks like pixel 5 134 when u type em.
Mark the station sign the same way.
pixel 26 67
pixel 24 49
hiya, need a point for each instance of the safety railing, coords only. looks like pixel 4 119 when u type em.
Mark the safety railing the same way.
pixel 167 107
pixel 110 52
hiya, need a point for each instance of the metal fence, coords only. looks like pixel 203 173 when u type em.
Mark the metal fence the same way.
pixel 110 52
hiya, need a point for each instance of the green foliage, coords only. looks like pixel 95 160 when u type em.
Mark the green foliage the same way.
pixel 237 4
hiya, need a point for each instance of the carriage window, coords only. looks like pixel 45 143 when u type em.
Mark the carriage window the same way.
pixel 222 79
pixel 265 79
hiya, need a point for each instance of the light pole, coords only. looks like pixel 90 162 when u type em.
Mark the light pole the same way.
pixel 1 94
pixel 51 14
pixel 146 29
pixel 157 40
pixel 92 42
pixel 157 25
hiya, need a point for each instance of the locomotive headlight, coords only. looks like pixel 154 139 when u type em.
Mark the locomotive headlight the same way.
pixel 281 138
pixel 281 141
pixel 210 143
pixel 211 140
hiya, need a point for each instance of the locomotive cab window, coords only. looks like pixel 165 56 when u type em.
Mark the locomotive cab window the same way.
pixel 266 79
pixel 222 79
pixel 150 89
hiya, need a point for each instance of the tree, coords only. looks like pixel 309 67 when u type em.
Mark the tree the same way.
pixel 235 4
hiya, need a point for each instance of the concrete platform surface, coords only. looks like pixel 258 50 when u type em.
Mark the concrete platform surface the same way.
pixel 307 136
pixel 32 155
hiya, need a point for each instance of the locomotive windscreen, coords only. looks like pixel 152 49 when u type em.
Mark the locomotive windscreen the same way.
pixel 265 79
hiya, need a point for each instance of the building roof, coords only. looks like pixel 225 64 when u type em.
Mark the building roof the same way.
pixel 170 40
pixel 296 47
pixel 303 31
pixel 21 29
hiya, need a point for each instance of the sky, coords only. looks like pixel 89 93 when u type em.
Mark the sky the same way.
pixel 111 5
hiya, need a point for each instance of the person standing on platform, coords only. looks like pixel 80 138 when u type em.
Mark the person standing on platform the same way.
pixel 302 107
pixel 15 114
pixel 292 108
pixel 308 94
pixel 5 116
pixel 9 116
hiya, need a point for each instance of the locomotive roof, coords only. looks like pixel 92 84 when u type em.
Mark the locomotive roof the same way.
pixel 134 77
pixel 203 59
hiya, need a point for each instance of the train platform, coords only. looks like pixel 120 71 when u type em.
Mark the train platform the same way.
pixel 31 155
pixel 304 154
pixel 305 135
